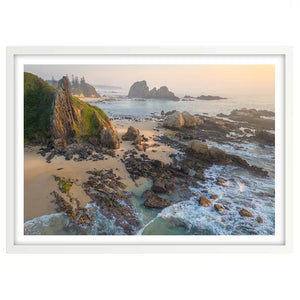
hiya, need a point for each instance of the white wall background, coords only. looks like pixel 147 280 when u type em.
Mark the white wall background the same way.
pixel 133 22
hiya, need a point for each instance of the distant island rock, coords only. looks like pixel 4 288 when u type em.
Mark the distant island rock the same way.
pixel 210 97
pixel 78 88
pixel 204 97
pixel 140 89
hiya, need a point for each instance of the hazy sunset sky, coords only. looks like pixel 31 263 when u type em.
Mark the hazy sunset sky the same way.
pixel 223 80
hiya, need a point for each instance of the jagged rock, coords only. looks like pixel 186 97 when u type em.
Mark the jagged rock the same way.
pixel 63 123
pixel 204 202
pixel 245 213
pixel 162 93
pixel 140 89
pixel 67 121
pixel 214 196
pixel 156 201
pixel 132 134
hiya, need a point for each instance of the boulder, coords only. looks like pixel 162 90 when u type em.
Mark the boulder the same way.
pixel 159 187
pixel 204 202
pixel 220 209
pixel 132 134
pixel 245 213
pixel 198 149
pixel 174 120
pixel 259 220
pixel 189 120
pixel 156 201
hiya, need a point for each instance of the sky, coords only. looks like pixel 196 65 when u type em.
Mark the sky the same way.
pixel 194 80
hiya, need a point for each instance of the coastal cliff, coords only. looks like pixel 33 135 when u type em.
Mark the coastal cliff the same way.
pixel 140 89
pixel 57 117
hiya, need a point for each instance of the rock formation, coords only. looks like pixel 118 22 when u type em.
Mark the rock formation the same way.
pixel 255 118
pixel 59 118
pixel 217 156
pixel 63 123
pixel 132 134
pixel 140 89
pixel 178 120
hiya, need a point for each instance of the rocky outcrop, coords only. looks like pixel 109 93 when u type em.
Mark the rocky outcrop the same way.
pixel 74 120
pixel 256 118
pixel 140 89
pixel 63 123
pixel 215 155
pixel 178 120
pixel 57 118
pixel 132 134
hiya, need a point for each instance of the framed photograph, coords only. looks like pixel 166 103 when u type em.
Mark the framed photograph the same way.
pixel 148 149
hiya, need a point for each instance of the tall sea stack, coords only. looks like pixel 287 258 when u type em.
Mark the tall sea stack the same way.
pixel 63 124
pixel 58 117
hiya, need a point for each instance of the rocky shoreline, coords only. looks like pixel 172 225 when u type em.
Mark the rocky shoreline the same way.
pixel 172 181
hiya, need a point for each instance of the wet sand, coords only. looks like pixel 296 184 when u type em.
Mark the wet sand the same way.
pixel 39 179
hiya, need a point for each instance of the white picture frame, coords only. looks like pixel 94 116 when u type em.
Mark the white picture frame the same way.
pixel 124 246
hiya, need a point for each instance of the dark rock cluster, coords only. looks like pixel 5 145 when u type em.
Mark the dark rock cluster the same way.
pixel 107 191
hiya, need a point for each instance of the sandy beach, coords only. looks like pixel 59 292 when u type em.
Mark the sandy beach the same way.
pixel 39 175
